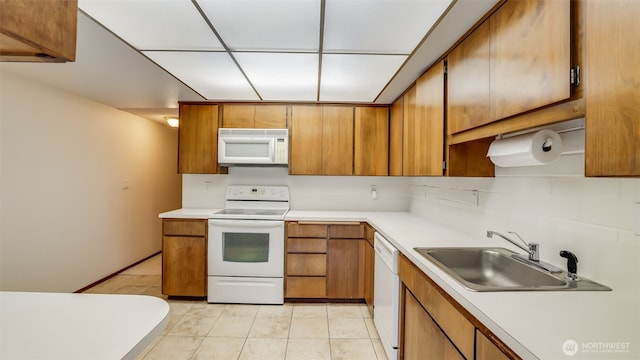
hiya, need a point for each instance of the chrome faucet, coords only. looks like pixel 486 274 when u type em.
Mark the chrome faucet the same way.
pixel 531 249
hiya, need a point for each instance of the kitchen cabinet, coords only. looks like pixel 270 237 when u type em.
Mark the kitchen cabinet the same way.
pixel 487 350
pixel 254 116
pixel 306 260
pixel 184 257
pixel 431 320
pixel 612 75
pixel 345 261
pixel 371 141
pixel 396 121
pixel 517 60
pixel 321 140
pixel 530 56
pixel 198 139
pixel 369 269
pixel 423 339
pixel 423 127
pixel 468 82
pixel 38 31
pixel 324 260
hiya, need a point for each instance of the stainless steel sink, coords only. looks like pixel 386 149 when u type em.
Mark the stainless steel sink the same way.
pixel 497 269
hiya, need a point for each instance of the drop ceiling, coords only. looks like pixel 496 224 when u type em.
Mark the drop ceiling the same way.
pixel 274 50
pixel 123 73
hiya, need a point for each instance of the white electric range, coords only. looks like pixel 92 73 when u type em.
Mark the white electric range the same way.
pixel 246 246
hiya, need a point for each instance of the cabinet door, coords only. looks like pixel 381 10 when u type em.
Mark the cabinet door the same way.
pixel 343 269
pixel 424 129
pixel 306 140
pixel 337 140
pixel 612 75
pixel 468 82
pixel 395 137
pixel 369 260
pixel 306 264
pixel 270 117
pixel 29 28
pixel 486 350
pixel 184 271
pixel 371 149
pixel 422 338
pixel 530 55
pixel 238 116
pixel 198 139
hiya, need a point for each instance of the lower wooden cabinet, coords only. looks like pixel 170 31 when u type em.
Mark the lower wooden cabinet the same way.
pixel 324 261
pixel 487 350
pixel 184 257
pixel 435 326
pixel 423 339
pixel 344 279
pixel 369 270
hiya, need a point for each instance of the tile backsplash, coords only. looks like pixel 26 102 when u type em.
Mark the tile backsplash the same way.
pixel 594 217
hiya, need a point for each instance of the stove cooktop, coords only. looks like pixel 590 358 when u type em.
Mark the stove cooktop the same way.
pixel 257 214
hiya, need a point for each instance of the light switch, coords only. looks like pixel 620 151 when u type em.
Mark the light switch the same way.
pixel 124 184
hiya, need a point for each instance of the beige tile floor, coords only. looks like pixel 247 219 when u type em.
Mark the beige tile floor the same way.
pixel 198 330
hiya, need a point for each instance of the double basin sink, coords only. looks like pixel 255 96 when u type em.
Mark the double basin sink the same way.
pixel 499 269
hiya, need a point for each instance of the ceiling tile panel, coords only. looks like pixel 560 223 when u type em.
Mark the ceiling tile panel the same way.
pixel 379 26
pixel 282 76
pixel 212 74
pixel 357 78
pixel 154 24
pixel 258 25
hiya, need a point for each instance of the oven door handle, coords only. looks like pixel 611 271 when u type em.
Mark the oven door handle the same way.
pixel 247 223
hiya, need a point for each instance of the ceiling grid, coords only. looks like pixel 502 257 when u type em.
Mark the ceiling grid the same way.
pixel 274 50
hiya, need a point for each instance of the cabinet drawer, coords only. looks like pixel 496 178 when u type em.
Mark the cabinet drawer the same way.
pixel 306 245
pixel 306 287
pixel 460 330
pixel 351 231
pixel 307 264
pixel 295 229
pixel 184 227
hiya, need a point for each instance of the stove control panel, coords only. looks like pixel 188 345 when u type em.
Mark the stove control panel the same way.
pixel 252 192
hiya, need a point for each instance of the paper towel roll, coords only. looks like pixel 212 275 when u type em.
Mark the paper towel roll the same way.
pixel 540 148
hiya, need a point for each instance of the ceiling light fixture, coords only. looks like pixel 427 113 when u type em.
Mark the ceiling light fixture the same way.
pixel 172 121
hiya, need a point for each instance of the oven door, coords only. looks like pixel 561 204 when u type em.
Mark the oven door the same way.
pixel 246 248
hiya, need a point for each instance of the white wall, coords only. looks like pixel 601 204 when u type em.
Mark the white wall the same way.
pixel 307 192
pixel 554 205
pixel 66 219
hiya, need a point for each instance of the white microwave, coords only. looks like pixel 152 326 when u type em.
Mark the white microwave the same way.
pixel 262 147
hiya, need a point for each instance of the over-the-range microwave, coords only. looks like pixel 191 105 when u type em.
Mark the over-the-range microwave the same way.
pixel 260 147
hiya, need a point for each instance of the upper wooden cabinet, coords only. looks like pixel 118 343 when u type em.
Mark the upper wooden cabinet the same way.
pixel 371 141
pixel 254 116
pixel 38 31
pixel 321 140
pixel 396 121
pixel 423 139
pixel 612 75
pixel 530 55
pixel 198 139
pixel 517 60
pixel 468 82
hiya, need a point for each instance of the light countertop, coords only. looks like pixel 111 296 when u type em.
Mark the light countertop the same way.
pixel 188 213
pixel 78 326
pixel 604 324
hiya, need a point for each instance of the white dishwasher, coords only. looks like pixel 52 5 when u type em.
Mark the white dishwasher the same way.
pixel 386 295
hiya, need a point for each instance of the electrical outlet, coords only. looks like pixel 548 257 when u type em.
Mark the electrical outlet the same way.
pixel 208 185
